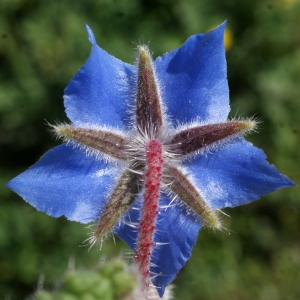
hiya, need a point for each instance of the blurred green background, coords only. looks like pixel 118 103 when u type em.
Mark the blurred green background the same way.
pixel 43 44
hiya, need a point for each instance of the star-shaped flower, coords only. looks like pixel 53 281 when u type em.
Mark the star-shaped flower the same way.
pixel 150 154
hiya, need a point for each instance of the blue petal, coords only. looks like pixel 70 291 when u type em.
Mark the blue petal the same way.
pixel 175 236
pixel 65 181
pixel 193 79
pixel 101 91
pixel 234 174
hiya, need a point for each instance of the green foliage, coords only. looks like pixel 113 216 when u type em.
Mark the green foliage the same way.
pixel 43 44
pixel 112 280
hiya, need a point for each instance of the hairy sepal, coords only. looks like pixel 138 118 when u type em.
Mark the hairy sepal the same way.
pixel 148 104
pixel 195 138
pixel 120 200
pixel 104 141
pixel 180 185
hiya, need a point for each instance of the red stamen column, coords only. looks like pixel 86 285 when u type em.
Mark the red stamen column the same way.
pixel 153 176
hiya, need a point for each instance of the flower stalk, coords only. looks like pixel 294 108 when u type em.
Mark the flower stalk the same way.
pixel 146 230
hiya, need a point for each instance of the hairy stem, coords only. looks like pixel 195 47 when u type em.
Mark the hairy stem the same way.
pixel 153 176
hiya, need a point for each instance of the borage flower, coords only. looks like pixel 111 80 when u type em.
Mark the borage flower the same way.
pixel 150 153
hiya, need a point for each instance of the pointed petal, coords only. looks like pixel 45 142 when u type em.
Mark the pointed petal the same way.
pixel 66 182
pixel 234 174
pixel 148 106
pixel 175 237
pixel 90 33
pixel 100 91
pixel 179 230
pixel 194 79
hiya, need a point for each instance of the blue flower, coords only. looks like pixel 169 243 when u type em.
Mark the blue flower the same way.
pixel 150 153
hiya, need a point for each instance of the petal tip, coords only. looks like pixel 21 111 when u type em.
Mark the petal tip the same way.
pixel 9 184
pixel 289 182
pixel 90 34
pixel 220 28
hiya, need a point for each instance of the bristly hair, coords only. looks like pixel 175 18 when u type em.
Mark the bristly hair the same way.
pixel 253 126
